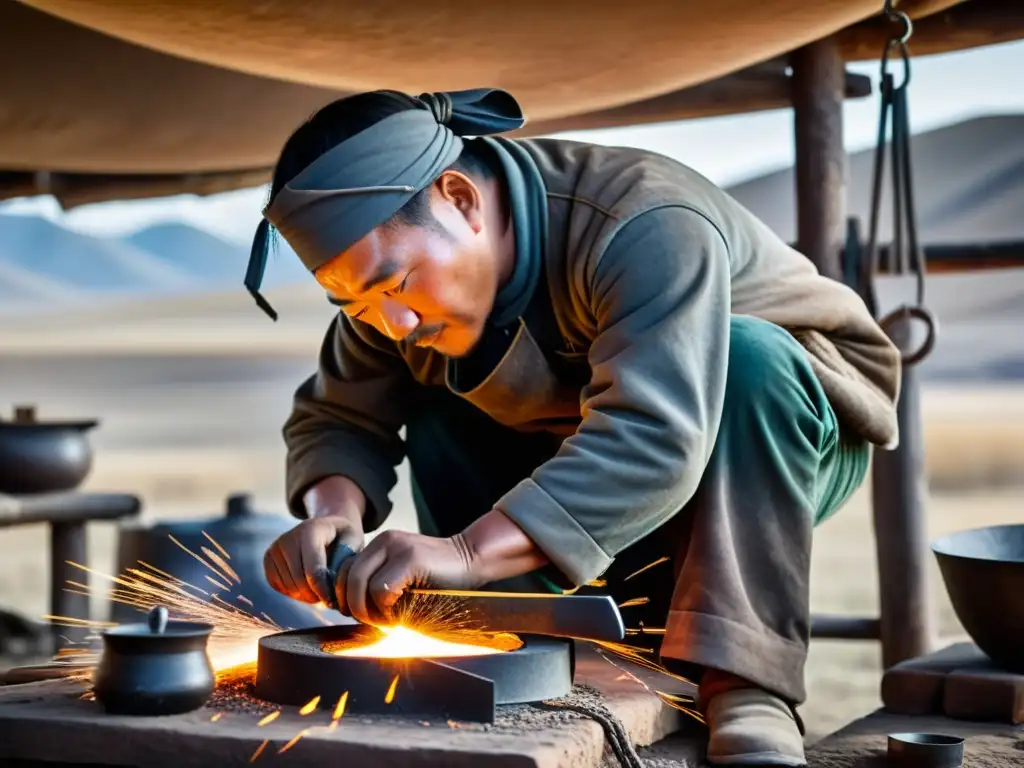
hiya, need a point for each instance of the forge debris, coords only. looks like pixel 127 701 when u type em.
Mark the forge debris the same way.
pixel 235 695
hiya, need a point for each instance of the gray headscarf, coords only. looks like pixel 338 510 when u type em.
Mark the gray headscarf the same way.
pixel 364 181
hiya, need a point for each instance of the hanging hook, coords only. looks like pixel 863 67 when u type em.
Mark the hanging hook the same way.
pixel 894 107
pixel 898 41
pixel 893 15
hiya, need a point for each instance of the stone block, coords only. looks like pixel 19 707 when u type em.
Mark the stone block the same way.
pixel 51 722
pixel 987 694
pixel 960 682
pixel 863 743
pixel 916 686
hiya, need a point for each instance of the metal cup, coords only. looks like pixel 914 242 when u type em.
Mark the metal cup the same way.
pixel 925 750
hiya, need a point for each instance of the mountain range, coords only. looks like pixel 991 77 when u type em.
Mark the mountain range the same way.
pixel 41 261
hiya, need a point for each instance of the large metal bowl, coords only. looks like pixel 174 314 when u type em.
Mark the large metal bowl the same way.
pixel 984 574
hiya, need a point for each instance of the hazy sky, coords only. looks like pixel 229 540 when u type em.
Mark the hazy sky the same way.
pixel 944 89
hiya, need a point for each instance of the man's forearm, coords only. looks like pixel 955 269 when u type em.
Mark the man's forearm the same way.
pixel 497 548
pixel 336 496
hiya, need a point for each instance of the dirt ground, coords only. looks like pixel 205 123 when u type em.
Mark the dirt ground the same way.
pixel 184 431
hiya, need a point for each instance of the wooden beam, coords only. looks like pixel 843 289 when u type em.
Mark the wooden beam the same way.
pixel 954 258
pixel 763 87
pixel 74 189
pixel 965 25
pixel 919 9
pixel 821 164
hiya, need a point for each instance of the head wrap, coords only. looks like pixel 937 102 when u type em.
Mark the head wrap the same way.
pixel 364 181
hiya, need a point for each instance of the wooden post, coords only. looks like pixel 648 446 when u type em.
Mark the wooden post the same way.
pixel 898 496
pixel 68 544
pixel 821 175
pixel 905 623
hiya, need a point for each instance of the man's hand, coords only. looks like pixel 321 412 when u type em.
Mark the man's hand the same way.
pixel 394 561
pixel 296 564
pixel 490 549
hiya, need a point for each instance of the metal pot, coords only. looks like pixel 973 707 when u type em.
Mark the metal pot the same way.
pixel 245 535
pixel 157 668
pixel 43 457
pixel 983 570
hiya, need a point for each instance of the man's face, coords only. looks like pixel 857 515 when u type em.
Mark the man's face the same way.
pixel 432 284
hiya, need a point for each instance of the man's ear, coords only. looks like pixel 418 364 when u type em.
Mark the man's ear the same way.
pixel 458 190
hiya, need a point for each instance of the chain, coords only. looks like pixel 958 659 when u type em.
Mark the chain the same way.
pixel 905 253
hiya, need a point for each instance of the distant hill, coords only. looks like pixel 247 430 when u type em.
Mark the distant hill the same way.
pixel 968 177
pixel 196 251
pixel 19 286
pixel 40 260
pixel 218 263
pixel 84 262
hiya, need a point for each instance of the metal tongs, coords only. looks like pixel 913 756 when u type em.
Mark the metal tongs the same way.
pixel 583 617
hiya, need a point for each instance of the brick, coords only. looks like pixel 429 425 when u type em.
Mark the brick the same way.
pixel 916 686
pixel 991 695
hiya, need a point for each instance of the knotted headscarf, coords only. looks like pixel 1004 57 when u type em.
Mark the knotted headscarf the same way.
pixel 364 181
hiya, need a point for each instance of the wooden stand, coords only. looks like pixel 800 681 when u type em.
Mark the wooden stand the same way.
pixel 67 515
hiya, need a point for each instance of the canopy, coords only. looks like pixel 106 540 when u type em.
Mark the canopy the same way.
pixel 108 99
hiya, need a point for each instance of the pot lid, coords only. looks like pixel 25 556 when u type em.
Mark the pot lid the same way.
pixel 240 517
pixel 158 625
pixel 25 418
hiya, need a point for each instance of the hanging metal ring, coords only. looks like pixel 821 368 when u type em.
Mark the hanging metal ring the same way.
pixel 902 18
pixel 906 314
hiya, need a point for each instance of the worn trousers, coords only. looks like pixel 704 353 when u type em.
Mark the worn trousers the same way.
pixel 731 590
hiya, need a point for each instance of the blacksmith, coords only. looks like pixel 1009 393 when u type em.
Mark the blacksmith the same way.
pixel 599 359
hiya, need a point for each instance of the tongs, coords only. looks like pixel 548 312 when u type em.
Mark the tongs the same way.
pixel 583 617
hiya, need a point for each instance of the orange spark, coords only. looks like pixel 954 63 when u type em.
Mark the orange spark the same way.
pixel 310 706
pixel 216 717
pixel 339 708
pixel 213 541
pixel 269 718
pixel 197 557
pixel 259 750
pixel 333 725
pixel 293 742
pixel 72 621
pixel 659 561
pixel 390 695
pixel 635 601
pixel 222 564
pixel 217 584
pixel 642 630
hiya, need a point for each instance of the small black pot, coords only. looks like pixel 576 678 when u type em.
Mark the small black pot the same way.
pixel 43 457
pixel 158 668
